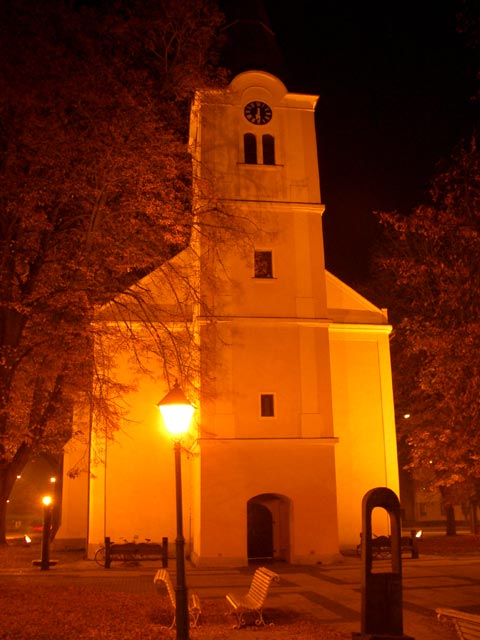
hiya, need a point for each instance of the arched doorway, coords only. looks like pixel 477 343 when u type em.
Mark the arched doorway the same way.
pixel 260 532
pixel 268 528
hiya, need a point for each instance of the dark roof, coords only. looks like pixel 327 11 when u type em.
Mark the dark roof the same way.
pixel 250 43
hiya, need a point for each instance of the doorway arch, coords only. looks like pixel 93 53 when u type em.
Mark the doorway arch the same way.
pixel 268 528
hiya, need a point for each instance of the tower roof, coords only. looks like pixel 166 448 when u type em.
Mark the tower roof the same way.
pixel 250 42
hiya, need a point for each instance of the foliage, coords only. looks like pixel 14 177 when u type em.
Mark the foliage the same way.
pixel 94 190
pixel 428 268
pixel 81 613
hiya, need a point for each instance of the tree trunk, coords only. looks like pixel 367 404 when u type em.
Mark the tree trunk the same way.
pixel 451 525
pixel 3 511
pixel 473 518
pixel 8 475
pixel 7 480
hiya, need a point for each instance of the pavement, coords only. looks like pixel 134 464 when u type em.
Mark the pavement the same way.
pixel 331 593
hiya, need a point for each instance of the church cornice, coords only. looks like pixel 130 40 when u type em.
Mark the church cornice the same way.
pixel 335 327
pixel 272 320
pixel 277 206
pixel 330 440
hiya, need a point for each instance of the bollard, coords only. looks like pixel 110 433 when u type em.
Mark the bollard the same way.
pixel 382 608
pixel 164 553
pixel 108 558
pixel 414 536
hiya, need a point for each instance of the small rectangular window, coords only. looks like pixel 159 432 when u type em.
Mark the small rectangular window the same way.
pixel 263 264
pixel 266 405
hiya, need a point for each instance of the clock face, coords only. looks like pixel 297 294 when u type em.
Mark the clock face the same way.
pixel 258 112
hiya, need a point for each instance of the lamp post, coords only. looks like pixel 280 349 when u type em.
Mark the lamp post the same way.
pixel 47 526
pixel 177 413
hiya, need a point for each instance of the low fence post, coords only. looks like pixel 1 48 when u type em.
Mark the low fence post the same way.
pixel 382 607
pixel 164 553
pixel 413 535
pixel 107 552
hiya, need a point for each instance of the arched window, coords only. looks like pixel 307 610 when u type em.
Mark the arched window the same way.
pixel 250 148
pixel 268 146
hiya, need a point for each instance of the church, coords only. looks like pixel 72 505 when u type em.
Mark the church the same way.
pixel 289 372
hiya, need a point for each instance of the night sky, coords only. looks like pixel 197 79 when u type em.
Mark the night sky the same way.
pixel 396 82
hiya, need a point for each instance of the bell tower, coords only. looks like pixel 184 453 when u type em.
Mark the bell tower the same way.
pixel 266 419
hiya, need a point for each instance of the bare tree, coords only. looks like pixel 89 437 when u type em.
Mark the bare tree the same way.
pixel 95 193
pixel 429 266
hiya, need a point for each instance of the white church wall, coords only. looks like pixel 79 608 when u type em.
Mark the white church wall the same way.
pixel 234 471
pixel 132 486
pixel 73 529
pixel 364 424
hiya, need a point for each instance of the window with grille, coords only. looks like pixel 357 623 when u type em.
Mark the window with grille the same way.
pixel 267 409
pixel 263 264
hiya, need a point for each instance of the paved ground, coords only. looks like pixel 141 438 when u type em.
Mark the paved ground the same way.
pixel 333 593
pixel 330 592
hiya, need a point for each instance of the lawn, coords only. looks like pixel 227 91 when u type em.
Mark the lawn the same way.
pixel 50 612
pixel 46 606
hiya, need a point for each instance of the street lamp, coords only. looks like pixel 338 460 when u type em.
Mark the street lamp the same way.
pixel 47 526
pixel 177 413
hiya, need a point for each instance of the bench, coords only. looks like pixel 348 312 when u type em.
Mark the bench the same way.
pixel 132 552
pixel 467 625
pixel 253 601
pixel 163 577
pixel 382 546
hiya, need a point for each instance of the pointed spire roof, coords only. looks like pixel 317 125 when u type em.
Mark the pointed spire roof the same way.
pixel 250 42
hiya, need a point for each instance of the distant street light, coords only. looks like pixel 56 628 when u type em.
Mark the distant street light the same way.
pixel 55 508
pixel 177 413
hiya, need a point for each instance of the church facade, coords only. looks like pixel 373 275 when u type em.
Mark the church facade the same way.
pixel 292 386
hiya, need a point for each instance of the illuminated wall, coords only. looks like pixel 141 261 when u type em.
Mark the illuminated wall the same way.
pixel 299 337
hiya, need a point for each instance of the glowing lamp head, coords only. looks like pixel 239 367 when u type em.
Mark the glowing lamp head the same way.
pixel 47 501
pixel 176 411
